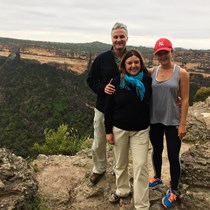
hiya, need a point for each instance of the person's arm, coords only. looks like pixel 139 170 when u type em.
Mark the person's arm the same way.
pixel 150 71
pixel 184 94
pixel 94 77
pixel 108 116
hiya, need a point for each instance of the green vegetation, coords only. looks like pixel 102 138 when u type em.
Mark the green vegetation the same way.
pixel 34 97
pixel 63 141
pixel 193 89
pixel 202 94
pixel 38 204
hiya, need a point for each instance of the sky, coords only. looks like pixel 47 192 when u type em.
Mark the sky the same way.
pixel 185 22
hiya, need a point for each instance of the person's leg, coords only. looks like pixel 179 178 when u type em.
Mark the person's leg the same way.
pixel 139 142
pixel 156 138
pixel 121 151
pixel 173 149
pixel 99 144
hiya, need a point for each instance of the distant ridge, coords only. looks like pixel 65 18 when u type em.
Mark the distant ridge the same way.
pixel 89 46
pixel 95 46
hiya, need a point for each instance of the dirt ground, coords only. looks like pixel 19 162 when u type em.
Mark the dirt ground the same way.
pixel 59 175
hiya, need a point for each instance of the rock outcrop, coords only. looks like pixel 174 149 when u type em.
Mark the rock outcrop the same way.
pixel 195 177
pixel 64 183
pixel 198 122
pixel 17 182
pixel 80 194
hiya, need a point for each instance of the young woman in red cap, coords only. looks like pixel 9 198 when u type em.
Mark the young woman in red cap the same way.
pixel 169 81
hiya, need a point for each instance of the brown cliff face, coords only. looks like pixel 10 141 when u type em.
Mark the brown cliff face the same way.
pixel 63 59
pixel 194 61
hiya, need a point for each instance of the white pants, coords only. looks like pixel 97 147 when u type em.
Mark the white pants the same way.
pixel 99 144
pixel 138 142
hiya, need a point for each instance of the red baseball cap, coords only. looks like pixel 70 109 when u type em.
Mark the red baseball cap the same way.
pixel 163 44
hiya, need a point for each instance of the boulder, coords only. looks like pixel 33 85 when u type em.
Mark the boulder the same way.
pixel 198 122
pixel 195 177
pixel 18 185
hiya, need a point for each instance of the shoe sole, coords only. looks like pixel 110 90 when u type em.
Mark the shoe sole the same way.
pixel 157 186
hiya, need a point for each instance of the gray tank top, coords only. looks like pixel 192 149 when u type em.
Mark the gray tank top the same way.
pixel 164 108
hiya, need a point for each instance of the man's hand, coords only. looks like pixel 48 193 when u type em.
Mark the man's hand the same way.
pixel 178 102
pixel 109 89
pixel 110 138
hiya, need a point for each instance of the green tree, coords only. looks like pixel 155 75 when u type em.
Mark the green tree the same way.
pixel 193 89
pixel 202 94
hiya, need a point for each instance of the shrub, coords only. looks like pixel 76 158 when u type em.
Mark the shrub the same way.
pixel 202 94
pixel 63 141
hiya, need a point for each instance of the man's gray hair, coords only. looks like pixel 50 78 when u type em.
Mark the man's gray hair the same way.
pixel 120 26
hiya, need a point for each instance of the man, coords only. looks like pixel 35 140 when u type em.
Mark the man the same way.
pixel 103 70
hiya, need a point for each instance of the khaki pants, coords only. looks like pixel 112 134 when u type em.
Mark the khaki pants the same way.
pixel 138 143
pixel 99 144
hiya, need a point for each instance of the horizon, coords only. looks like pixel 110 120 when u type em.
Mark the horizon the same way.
pixel 93 42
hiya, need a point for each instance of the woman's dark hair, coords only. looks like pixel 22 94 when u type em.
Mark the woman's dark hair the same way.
pixel 127 55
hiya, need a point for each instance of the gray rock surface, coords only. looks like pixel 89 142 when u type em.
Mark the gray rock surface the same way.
pixel 195 177
pixel 17 183
pixel 198 122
